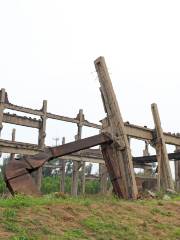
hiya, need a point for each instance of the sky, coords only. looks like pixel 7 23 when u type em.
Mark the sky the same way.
pixel 47 50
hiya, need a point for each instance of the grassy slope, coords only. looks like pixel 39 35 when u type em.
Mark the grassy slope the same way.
pixel 98 218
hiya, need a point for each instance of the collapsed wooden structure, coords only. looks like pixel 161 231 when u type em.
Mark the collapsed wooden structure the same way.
pixel 116 151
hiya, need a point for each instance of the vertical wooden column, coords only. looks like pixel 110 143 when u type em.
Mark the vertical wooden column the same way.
pixel 62 171
pixel 165 180
pixel 13 140
pixel 2 101
pixel 80 117
pixel 117 155
pixel 75 175
pixel 41 141
pixel 76 164
pixel 103 178
pixel 177 173
pixel 148 167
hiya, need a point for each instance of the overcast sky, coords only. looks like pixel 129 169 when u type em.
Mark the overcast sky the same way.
pixel 47 50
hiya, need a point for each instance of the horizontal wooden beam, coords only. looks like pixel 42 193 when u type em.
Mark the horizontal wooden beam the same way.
pixel 134 131
pixel 144 133
pixel 50 115
pixel 22 121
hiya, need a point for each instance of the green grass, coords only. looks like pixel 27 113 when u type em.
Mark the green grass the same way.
pixel 102 218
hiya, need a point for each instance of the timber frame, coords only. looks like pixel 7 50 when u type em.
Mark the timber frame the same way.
pixel 120 136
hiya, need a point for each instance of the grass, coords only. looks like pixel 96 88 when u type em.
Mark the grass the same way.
pixel 90 218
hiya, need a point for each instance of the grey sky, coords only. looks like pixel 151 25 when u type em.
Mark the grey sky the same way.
pixel 47 49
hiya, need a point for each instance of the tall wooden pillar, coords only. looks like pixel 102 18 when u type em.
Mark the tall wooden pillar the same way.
pixel 74 187
pixel 62 171
pixel 76 164
pixel 177 173
pixel 13 140
pixel 117 155
pixel 41 141
pixel 2 101
pixel 165 180
pixel 103 178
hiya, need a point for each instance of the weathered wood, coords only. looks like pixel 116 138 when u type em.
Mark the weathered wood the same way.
pixel 13 139
pixel 103 175
pixel 147 167
pixel 41 142
pixel 22 121
pixel 80 117
pixel 75 176
pixel 62 171
pixel 165 180
pixel 177 172
pixel 2 101
pixel 120 159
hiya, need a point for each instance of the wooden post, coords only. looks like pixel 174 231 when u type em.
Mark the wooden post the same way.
pixel 165 180
pixel 77 165
pixel 75 175
pixel 80 117
pixel 103 178
pixel 177 173
pixel 13 140
pixel 62 171
pixel 41 141
pixel 2 101
pixel 83 179
pixel 148 167
pixel 117 155
pixel 74 188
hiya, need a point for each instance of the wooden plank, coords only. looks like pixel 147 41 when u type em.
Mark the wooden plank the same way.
pixel 164 170
pixel 120 155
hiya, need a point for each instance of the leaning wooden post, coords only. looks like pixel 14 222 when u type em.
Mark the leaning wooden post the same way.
pixel 164 171
pixel 103 178
pixel 62 163
pixel 2 101
pixel 117 155
pixel 13 140
pixel 41 141
pixel 177 172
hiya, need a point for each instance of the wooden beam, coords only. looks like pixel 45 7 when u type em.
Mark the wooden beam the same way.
pixel 22 121
pixel 164 171
pixel 118 154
